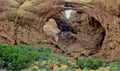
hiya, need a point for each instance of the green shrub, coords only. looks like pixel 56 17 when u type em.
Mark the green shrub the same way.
pixel 60 59
pixel 89 63
pixel 17 57
pixel 46 55
pixel 118 61
pixel 114 67
pixel 81 63
pixel 1 63
pixel 44 49
pixel 51 58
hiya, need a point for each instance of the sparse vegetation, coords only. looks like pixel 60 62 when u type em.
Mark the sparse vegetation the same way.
pixel 21 57
pixel 89 63
pixel 26 58
pixel 47 55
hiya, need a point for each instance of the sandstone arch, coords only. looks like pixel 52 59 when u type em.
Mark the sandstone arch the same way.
pixel 31 15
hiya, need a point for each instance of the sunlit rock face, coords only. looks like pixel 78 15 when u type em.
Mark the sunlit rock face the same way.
pixel 21 20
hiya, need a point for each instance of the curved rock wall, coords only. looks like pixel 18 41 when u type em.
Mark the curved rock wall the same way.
pixel 21 22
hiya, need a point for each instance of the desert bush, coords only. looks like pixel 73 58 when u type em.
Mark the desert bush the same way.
pixel 89 63
pixel 114 67
pixel 118 61
pixel 17 57
pixel 44 49
pixel 47 55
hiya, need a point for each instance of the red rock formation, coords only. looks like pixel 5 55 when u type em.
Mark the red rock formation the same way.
pixel 98 23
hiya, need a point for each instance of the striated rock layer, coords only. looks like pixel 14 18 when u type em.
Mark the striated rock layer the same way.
pixel 21 20
pixel 95 25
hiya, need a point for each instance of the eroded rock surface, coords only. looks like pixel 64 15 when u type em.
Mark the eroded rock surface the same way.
pixel 95 25
pixel 21 20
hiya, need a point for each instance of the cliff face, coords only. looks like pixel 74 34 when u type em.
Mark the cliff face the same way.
pixel 21 20
pixel 96 29
pixel 95 25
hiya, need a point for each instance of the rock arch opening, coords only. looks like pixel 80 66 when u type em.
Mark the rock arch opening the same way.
pixel 88 33
pixel 94 24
